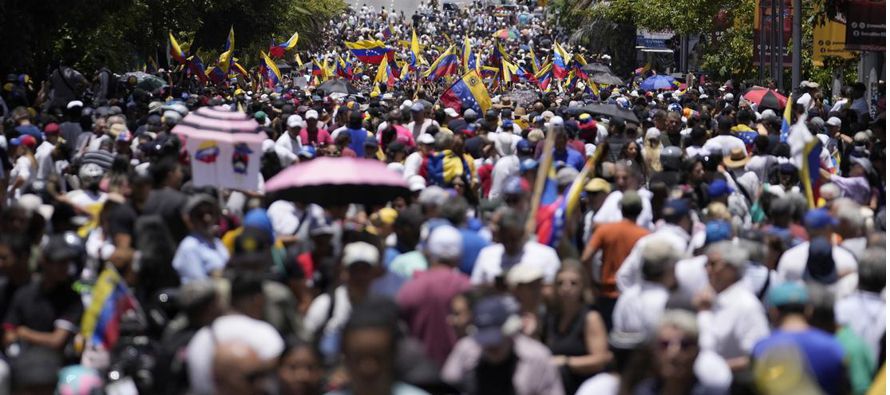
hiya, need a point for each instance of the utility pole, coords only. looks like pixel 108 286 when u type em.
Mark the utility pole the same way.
pixel 795 50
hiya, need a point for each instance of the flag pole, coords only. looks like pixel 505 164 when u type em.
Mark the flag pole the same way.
pixel 540 180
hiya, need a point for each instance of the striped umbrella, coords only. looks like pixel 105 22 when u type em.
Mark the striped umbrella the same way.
pixel 216 119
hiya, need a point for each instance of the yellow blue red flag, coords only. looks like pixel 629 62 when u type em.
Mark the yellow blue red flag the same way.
pixel 467 92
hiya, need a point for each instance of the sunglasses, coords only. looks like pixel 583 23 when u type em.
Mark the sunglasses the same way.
pixel 683 344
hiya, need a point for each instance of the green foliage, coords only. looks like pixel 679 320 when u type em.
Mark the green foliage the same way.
pixel 123 34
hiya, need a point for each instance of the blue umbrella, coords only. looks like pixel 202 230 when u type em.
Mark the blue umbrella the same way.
pixel 657 82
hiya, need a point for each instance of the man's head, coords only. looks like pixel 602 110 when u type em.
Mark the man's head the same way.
pixel 511 231
pixel 819 223
pixel 246 294
pixel 872 270
pixel 785 300
pixel 201 213
pixel 444 246
pixel 660 119
pixel 726 264
pixel 676 212
pixel 625 178
pixel 407 227
pixel 495 325
pixel 368 343
pixel 659 257
pixel 418 112
pixel 631 205
pixel 676 345
pixel 674 123
pixel 597 189
pixel 166 172
pixel 238 369
pixel 361 260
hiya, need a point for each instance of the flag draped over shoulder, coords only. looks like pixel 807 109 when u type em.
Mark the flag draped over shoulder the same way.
pixel 369 51
pixel 441 168
pixel 467 92
pixel 806 151
pixel 111 299
pixel 445 65
pixel 175 51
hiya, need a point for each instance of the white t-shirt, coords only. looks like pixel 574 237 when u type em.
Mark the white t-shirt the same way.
pixel 504 168
pixel 793 262
pixel 491 262
pixel 318 312
pixel 723 143
pixel 611 209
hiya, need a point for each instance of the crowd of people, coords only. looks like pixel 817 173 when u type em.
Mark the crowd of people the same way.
pixel 697 257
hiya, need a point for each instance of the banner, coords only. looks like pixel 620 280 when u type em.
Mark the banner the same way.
pixel 829 41
pixel 227 162
pixel 866 25
pixel 653 40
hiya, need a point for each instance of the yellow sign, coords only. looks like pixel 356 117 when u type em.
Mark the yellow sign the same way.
pixel 829 40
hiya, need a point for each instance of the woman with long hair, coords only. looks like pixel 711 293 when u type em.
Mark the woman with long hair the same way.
pixel 575 333
pixel 632 156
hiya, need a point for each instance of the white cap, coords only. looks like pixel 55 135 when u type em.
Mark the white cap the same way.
pixel 728 97
pixel 834 121
pixel 524 273
pixel 416 183
pixel 653 133
pixel 556 121
pixel 433 196
pixel 396 167
pixel 445 242
pixel 75 103
pixel 450 112
pixel 808 84
pixel 311 114
pixel 294 121
pixel 426 138
pixel 360 252
pixel 406 104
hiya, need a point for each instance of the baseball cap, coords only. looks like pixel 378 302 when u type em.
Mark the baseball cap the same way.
pixel 566 175
pixel 360 251
pixel 719 188
pixel 311 114
pixel 451 113
pixel 294 121
pixel 865 163
pixel 833 121
pixel 598 185
pixel 417 107
pixel 426 138
pixel 445 242
pixel 58 249
pixel 416 183
pixel 434 195
pixel 51 128
pixel 74 103
pixel 818 218
pixel 196 200
pixel 523 273
pixel 717 230
pixel 26 140
pixel 675 208
pixel 525 147
pixel 789 293
pixel 489 318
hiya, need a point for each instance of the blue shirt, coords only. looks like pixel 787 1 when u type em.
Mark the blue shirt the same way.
pixel 472 244
pixel 824 355
pixel 570 157
pixel 357 139
pixel 195 259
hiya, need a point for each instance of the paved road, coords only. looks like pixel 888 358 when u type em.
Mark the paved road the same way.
pixel 408 6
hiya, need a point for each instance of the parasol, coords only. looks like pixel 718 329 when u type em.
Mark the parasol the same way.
pixel 338 181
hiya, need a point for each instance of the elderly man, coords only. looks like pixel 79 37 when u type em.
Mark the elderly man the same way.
pixel 731 319
pixel 639 308
pixel 817 259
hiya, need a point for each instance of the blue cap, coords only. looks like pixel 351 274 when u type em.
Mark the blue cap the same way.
pixel 257 218
pixel 528 164
pixel 489 316
pixel 525 147
pixel 717 230
pixel 719 188
pixel 675 208
pixel 308 152
pixel 818 219
pixel 786 294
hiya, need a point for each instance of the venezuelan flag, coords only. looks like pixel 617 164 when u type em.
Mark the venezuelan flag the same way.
pixel 273 75
pixel 225 58
pixel 111 299
pixel 239 68
pixel 290 43
pixel 467 54
pixel 344 68
pixel 369 51
pixel 443 167
pixel 415 58
pixel 554 209
pixel 196 66
pixel 786 120
pixel 560 65
pixel 175 51
pixel 388 32
pixel 536 66
pixel 445 65
pixel 545 76
pixel 467 92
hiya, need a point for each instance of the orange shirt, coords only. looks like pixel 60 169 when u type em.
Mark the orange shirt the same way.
pixel 616 240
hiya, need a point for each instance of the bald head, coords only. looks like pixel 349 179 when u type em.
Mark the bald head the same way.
pixel 235 368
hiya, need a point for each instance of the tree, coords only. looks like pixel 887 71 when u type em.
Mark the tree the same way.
pixel 123 34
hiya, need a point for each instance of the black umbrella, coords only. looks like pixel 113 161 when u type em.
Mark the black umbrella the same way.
pixel 592 68
pixel 605 79
pixel 337 85
pixel 610 111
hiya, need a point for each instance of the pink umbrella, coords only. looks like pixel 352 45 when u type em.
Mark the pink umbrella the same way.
pixel 338 181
